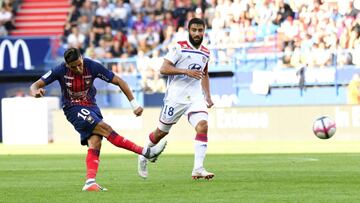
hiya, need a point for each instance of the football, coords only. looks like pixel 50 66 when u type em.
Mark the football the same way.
pixel 324 127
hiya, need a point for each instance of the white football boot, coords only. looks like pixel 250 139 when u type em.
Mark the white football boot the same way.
pixel 93 186
pixel 142 166
pixel 151 155
pixel 153 152
pixel 201 173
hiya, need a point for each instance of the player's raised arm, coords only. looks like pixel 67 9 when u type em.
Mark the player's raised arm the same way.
pixel 36 89
pixel 168 68
pixel 137 109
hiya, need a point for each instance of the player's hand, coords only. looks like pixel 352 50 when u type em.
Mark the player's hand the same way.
pixel 39 93
pixel 138 111
pixel 197 74
pixel 209 102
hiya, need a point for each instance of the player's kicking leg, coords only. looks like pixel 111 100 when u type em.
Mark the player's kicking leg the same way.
pixel 165 123
pixel 152 142
pixel 153 152
pixel 92 160
pixel 142 160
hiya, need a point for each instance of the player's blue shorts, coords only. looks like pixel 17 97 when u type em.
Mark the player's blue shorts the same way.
pixel 84 119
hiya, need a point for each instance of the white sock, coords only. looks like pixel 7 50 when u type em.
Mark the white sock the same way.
pixel 147 144
pixel 90 180
pixel 145 148
pixel 200 153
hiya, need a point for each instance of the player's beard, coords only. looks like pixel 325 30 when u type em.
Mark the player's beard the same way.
pixel 195 44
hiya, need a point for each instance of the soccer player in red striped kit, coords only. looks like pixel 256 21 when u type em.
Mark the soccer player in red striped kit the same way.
pixel 76 76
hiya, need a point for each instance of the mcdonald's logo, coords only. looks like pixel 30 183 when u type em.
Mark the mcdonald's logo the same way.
pixel 14 53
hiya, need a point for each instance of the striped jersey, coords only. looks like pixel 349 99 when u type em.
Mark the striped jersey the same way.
pixel 78 89
pixel 182 88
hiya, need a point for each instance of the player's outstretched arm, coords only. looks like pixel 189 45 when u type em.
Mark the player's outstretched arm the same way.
pixel 36 89
pixel 137 109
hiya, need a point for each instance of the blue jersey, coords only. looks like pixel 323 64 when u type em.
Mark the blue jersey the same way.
pixel 78 89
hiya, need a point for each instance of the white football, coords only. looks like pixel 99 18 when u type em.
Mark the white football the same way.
pixel 324 127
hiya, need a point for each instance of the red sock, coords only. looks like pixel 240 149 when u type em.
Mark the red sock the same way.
pixel 122 142
pixel 201 137
pixel 152 138
pixel 92 163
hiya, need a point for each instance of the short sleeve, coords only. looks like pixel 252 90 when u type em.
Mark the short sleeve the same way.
pixel 101 72
pixel 174 54
pixel 51 75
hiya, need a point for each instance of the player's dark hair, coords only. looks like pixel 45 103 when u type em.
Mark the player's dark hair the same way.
pixel 72 55
pixel 196 21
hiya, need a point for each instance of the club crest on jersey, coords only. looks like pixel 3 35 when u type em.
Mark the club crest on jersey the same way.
pixel 68 84
pixel 204 59
pixel 90 119
pixel 87 81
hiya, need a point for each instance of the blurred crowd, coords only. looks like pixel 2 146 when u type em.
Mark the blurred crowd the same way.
pixel 7 12
pixel 322 33
pixel 308 32
pixel 123 29
pixel 312 33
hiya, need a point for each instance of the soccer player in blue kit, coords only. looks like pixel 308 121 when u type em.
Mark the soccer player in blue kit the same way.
pixel 76 76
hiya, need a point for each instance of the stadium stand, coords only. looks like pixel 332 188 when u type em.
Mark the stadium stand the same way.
pixel 41 18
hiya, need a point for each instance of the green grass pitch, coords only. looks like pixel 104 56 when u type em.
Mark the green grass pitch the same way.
pixel 317 177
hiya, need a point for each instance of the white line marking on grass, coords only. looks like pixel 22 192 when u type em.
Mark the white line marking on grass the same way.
pixel 310 159
pixel 288 159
